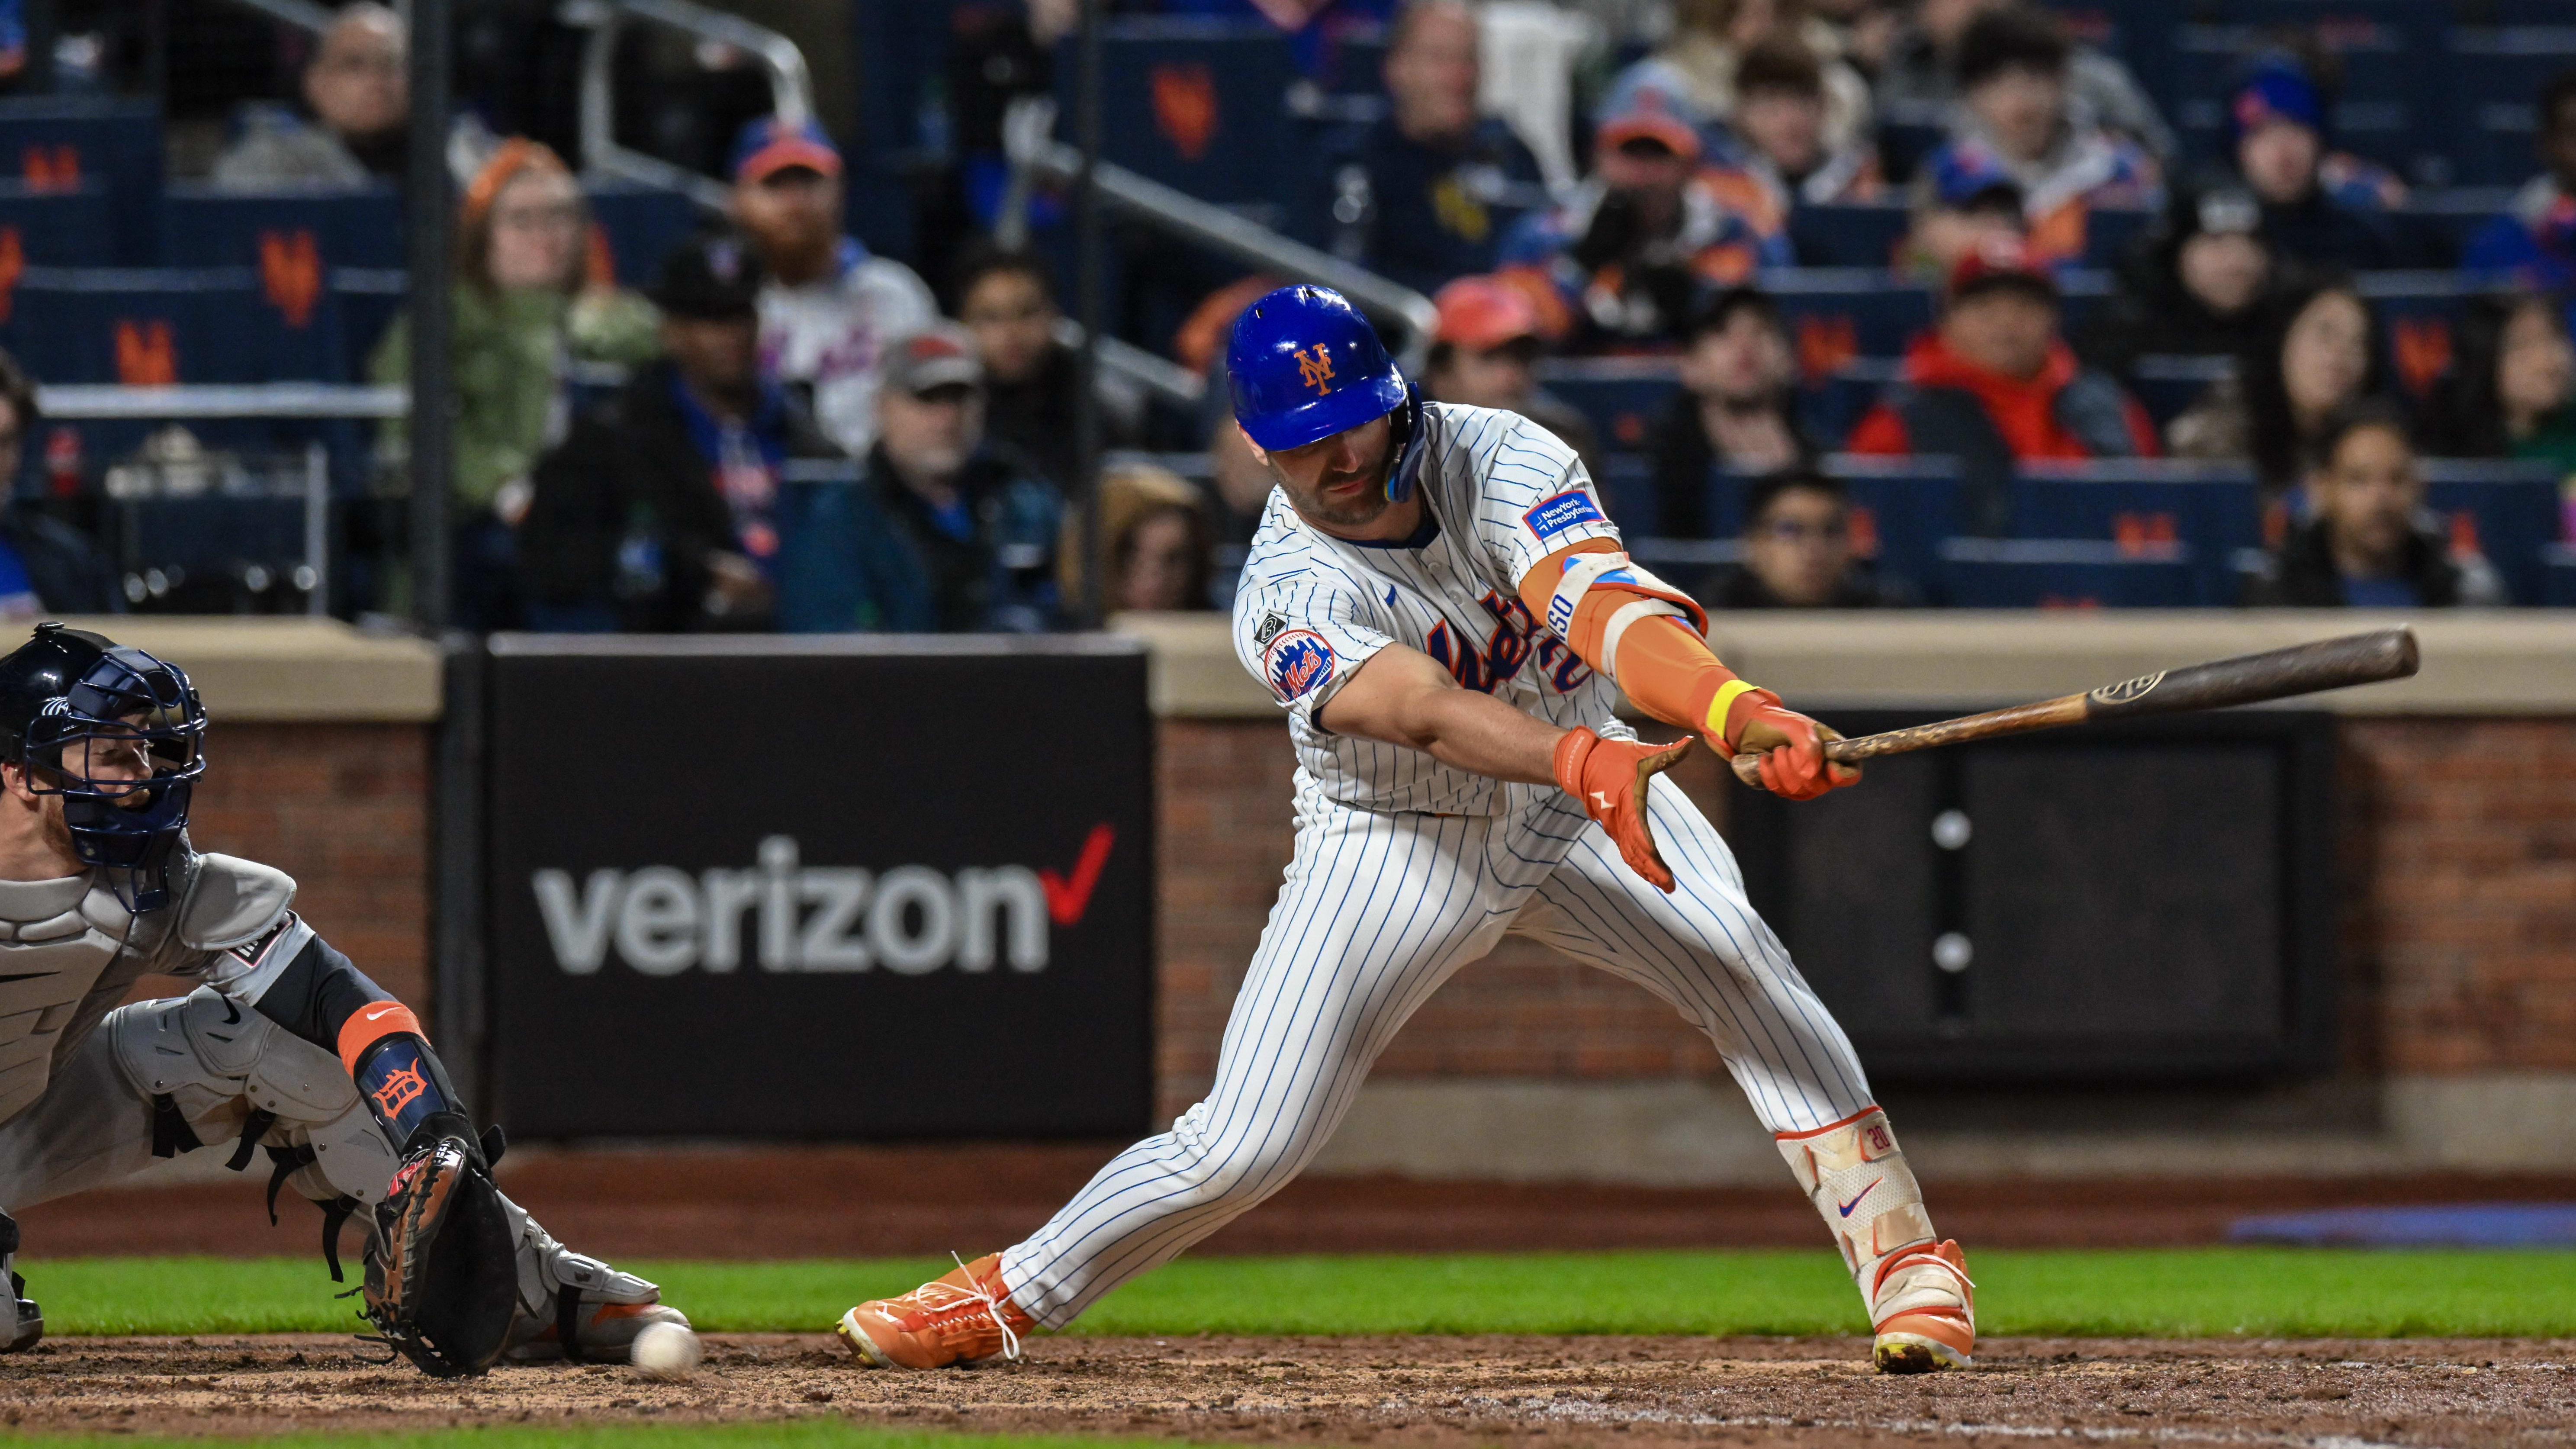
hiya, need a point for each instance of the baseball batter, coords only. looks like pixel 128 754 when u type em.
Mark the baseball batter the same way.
pixel 1437 599
pixel 285 1046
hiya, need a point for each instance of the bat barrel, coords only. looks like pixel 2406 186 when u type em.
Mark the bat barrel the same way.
pixel 2381 654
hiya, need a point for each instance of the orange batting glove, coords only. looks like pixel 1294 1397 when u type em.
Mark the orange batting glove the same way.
pixel 1792 750
pixel 1609 777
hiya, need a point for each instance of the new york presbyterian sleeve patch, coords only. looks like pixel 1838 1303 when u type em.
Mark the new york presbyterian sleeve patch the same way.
pixel 1554 515
pixel 1297 664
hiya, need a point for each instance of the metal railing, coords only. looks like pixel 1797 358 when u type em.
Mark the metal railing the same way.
pixel 78 402
pixel 791 87
pixel 1036 154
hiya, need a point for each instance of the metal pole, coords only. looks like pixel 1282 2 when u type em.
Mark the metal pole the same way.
pixel 1088 286
pixel 427 208
pixel 317 528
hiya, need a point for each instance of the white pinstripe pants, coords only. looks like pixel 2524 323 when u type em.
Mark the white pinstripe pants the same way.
pixel 1378 910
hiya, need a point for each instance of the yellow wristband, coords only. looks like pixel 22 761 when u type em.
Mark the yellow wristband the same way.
pixel 1722 701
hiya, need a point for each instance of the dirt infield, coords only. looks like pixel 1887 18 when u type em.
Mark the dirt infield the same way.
pixel 1430 1391
pixel 865 1201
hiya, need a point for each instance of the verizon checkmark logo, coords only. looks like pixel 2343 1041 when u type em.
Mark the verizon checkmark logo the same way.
pixel 1068 897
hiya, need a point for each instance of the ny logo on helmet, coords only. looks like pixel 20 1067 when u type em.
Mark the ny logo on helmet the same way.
pixel 1316 371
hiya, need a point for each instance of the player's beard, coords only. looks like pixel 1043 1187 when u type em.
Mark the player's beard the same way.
pixel 1357 510
pixel 58 833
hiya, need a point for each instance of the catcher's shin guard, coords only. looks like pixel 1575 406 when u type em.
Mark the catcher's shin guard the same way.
pixel 1922 1307
pixel 21 1321
pixel 574 1307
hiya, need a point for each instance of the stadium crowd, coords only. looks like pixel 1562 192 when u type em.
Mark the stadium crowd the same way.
pixel 812 436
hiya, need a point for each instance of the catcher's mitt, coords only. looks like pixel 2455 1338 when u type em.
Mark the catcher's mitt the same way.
pixel 442 1268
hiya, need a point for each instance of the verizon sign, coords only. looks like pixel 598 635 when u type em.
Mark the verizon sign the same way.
pixel 772 866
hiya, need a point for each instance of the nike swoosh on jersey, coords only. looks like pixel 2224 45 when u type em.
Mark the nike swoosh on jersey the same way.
pixel 1847 1207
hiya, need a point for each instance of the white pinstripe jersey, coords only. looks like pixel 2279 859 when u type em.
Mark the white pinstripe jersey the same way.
pixel 1502 493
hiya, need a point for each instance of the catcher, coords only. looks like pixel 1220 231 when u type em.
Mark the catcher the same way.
pixel 286 1046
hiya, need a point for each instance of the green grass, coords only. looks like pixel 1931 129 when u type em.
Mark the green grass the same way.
pixel 812 1433
pixel 2267 1292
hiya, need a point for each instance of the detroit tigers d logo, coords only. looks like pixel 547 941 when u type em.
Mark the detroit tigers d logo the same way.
pixel 1315 368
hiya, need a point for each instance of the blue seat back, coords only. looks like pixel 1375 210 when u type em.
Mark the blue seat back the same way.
pixel 198 325
pixel 643 225
pixel 1848 234
pixel 2168 385
pixel 2558 576
pixel 1197 104
pixel 208 226
pixel 2495 73
pixel 1901 509
pixel 2507 509
pixel 1620 396
pixel 2052 573
pixel 59 142
pixel 2109 232
pixel 1835 314
pixel 1627 485
pixel 2419 314
pixel 54 227
pixel 2143 507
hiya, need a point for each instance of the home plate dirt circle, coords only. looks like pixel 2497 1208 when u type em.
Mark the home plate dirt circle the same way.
pixel 2317 1394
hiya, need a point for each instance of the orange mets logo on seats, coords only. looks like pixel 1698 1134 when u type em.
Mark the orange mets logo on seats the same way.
pixel 1315 368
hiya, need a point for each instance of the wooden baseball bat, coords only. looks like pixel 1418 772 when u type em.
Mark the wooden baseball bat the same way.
pixel 2247 679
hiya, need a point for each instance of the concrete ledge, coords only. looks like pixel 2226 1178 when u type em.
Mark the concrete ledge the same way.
pixel 288 669
pixel 2500 662
pixel 1693 1133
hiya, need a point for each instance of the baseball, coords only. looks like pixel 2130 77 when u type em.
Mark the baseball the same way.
pixel 666 1351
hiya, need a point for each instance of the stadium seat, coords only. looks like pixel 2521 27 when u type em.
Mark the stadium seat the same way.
pixel 2168 385
pixel 2496 73
pixel 208 226
pixel 1831 406
pixel 2390 54
pixel 2110 230
pixel 1627 485
pixel 1620 396
pixel 1199 105
pixel 2419 314
pixel 54 227
pixel 2143 506
pixel 2558 576
pixel 642 224
pixel 1835 314
pixel 59 142
pixel 1901 509
pixel 2062 573
pixel 1848 234
pixel 2507 510
pixel 142 328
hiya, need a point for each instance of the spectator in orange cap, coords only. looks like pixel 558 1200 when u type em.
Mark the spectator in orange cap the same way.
pixel 531 298
pixel 1629 253
pixel 1486 354
pixel 1994 384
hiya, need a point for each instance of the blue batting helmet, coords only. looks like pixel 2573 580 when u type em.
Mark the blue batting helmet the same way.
pixel 1304 365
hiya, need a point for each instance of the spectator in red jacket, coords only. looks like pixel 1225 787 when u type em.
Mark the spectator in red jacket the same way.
pixel 1994 384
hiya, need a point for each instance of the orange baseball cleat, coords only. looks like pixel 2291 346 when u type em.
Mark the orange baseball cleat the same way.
pixel 965 1316
pixel 1926 1310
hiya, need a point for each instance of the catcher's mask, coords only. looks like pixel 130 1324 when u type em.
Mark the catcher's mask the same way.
pixel 120 736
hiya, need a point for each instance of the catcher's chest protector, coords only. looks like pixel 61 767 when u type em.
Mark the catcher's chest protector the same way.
pixel 59 973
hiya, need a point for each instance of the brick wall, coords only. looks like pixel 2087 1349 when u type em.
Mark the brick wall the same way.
pixel 2461 940
pixel 343 808
pixel 2458 880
